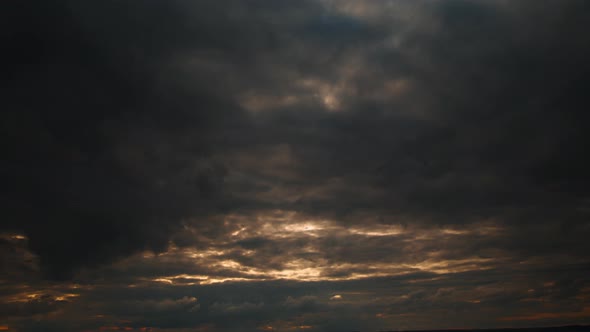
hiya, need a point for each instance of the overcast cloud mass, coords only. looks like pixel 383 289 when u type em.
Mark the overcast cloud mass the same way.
pixel 309 165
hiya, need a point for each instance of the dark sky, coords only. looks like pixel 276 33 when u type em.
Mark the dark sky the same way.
pixel 308 165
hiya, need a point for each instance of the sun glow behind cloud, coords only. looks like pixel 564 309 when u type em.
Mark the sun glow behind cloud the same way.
pixel 284 245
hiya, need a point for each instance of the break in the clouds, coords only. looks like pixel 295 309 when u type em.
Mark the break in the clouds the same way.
pixel 310 165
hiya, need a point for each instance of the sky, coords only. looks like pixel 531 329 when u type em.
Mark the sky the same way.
pixel 308 165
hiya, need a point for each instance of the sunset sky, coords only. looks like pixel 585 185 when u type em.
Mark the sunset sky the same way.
pixel 294 165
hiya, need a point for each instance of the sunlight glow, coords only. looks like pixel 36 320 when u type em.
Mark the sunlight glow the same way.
pixel 308 260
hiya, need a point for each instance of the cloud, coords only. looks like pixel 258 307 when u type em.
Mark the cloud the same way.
pixel 267 157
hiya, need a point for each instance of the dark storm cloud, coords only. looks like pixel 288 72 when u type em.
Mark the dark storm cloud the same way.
pixel 85 113
pixel 108 137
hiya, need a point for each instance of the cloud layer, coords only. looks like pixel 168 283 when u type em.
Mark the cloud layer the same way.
pixel 311 165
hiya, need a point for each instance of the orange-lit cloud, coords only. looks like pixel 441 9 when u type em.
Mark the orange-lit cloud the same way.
pixel 126 328
pixel 584 313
